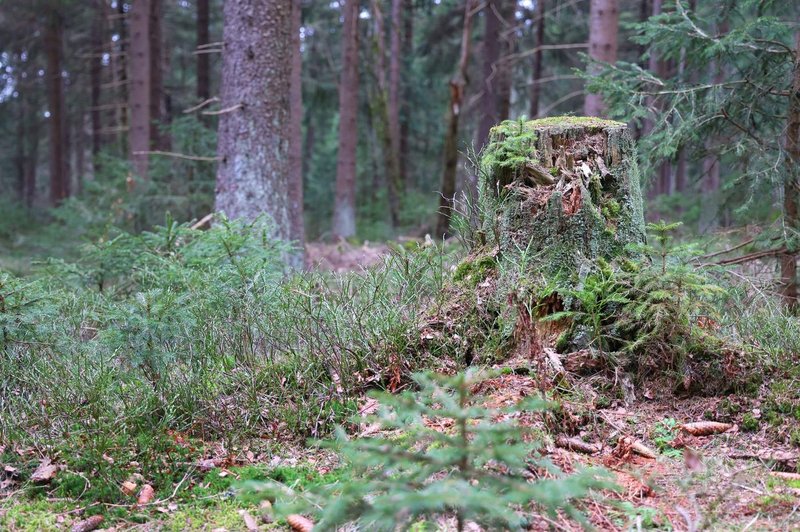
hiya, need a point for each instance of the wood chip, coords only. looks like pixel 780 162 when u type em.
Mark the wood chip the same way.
pixel 128 487
pixel 300 523
pixel 89 524
pixel 785 476
pixel 45 472
pixel 577 445
pixel 705 428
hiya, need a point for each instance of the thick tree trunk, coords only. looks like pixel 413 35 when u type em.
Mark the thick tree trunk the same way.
pixel 158 140
pixel 408 55
pixel 203 60
pixel 395 66
pixel 140 90
pixel 96 36
pixel 457 84
pixel 491 54
pixel 505 70
pixel 603 28
pixel 59 176
pixel 298 233
pixel 344 209
pixel 379 101
pixel 119 73
pixel 254 129
pixel 791 189
pixel 536 68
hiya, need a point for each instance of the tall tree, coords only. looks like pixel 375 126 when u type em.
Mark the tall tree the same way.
pixel 157 99
pixel 536 67
pixel 97 38
pixel 603 29
pixel 203 59
pixel 54 50
pixel 491 56
pixel 791 187
pixel 344 208
pixel 297 232
pixel 505 72
pixel 395 68
pixel 254 138
pixel 140 90
pixel 457 85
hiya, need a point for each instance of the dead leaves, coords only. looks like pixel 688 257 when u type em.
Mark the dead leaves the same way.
pixel 145 495
pixel 45 472
pixel 705 428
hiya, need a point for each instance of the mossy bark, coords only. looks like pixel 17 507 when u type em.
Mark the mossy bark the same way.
pixel 563 190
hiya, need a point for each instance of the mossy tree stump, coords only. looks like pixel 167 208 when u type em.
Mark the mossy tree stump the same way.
pixel 564 190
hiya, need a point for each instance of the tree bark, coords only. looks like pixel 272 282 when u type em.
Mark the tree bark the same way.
pixel 379 100
pixel 491 54
pixel 254 131
pixel 603 29
pixel 158 140
pixel 97 35
pixel 140 91
pixel 408 55
pixel 536 68
pixel 203 60
pixel 395 67
pixel 505 70
pixel 791 189
pixel 298 234
pixel 344 209
pixel 59 176
pixel 457 84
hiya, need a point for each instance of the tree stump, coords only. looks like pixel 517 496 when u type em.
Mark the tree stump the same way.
pixel 563 190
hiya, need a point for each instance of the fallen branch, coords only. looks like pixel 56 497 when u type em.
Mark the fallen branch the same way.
pixel 202 221
pixel 753 256
pixel 201 105
pixel 178 155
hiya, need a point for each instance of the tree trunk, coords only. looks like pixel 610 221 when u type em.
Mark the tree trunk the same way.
pixel 457 84
pixel 379 101
pixel 791 189
pixel 254 131
pixel 408 55
pixel 505 70
pixel 603 28
pixel 344 209
pixel 96 36
pixel 491 54
pixel 158 140
pixel 120 78
pixel 395 65
pixel 59 176
pixel 140 91
pixel 203 60
pixel 298 234
pixel 536 68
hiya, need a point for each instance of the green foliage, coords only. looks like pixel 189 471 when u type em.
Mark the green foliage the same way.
pixel 475 469
pixel 664 433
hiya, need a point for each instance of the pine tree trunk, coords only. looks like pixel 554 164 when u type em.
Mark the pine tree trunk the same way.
pixel 408 55
pixel 791 189
pixel 603 28
pixel 536 68
pixel 505 70
pixel 95 77
pixel 298 234
pixel 254 131
pixel 457 85
pixel 158 140
pixel 344 209
pixel 491 54
pixel 120 62
pixel 59 176
pixel 140 90
pixel 395 65
pixel 203 59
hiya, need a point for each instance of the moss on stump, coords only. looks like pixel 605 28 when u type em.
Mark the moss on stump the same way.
pixel 564 190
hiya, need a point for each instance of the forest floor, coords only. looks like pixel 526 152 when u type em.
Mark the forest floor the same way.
pixel 742 479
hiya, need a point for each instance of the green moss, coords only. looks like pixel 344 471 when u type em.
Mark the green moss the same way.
pixel 583 121
pixel 474 271
pixel 749 423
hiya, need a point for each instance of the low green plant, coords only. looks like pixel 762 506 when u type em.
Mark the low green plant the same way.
pixel 664 433
pixel 474 468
